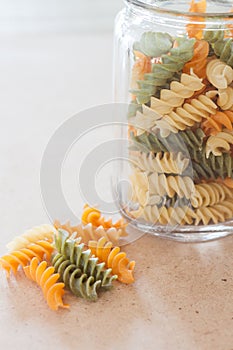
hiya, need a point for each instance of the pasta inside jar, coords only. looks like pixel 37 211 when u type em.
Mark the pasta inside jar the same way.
pixel 180 126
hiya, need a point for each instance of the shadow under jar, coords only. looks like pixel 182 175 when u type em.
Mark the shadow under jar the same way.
pixel 174 69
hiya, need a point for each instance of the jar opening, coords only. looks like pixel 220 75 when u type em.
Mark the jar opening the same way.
pixel 214 8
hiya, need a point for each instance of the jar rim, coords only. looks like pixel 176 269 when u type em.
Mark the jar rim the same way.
pixel 155 8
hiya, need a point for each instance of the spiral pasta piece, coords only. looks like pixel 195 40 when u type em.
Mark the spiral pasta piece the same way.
pixel 93 216
pixel 162 185
pixel 224 50
pixel 168 163
pixel 88 232
pixel 165 216
pixel 45 277
pixel 23 256
pixel 37 233
pixel 176 94
pixel 219 143
pixel 211 193
pixel 162 72
pixel 199 61
pixel 219 74
pixel 74 251
pixel 212 36
pixel 211 167
pixel 225 97
pixel 217 213
pixel 217 121
pixel 186 116
pixel 113 258
pixel 144 121
pixel 73 278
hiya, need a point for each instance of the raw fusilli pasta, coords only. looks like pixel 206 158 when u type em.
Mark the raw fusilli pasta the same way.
pixel 114 259
pixel 78 282
pixel 187 115
pixel 37 233
pixel 45 277
pixel 170 185
pixel 179 142
pixel 199 61
pixel 168 163
pixel 224 50
pixel 93 216
pixel 211 193
pixel 23 256
pixel 219 143
pixel 212 167
pixel 219 74
pixel 170 64
pixel 216 213
pixel 88 232
pixel 175 96
pixel 225 97
pixel 164 216
pixel 72 250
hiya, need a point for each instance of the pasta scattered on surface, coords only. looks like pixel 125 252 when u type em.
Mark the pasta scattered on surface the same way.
pixel 45 277
pixel 43 232
pixel 16 258
pixel 88 232
pixel 114 259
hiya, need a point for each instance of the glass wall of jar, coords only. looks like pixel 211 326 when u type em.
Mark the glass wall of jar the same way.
pixel 174 68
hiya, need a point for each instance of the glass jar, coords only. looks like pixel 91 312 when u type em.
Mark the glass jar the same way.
pixel 173 67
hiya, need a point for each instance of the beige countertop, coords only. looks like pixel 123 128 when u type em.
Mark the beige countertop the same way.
pixel 182 297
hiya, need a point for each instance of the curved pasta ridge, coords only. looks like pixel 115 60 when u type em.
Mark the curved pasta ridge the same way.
pixel 13 260
pixel 79 283
pixel 179 142
pixel 42 232
pixel 211 167
pixel 162 185
pixel 176 94
pixel 208 194
pixel 114 259
pixel 168 163
pixel 217 213
pixel 171 63
pixel 45 277
pixel 89 232
pixel 164 215
pixel 219 73
pixel 94 216
pixel 220 143
pixel 187 115
pixel 73 250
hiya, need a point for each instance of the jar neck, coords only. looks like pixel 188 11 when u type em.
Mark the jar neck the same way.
pixel 156 12
pixel 220 10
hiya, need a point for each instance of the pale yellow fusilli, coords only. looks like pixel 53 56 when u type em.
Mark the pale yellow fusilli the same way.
pixel 144 121
pixel 212 193
pixel 89 232
pixel 168 163
pixel 216 213
pixel 219 74
pixel 225 97
pixel 219 143
pixel 186 116
pixel 33 235
pixel 162 185
pixel 178 92
pixel 164 216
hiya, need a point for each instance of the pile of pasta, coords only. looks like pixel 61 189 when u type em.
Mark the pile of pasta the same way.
pixel 181 127
pixel 59 260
